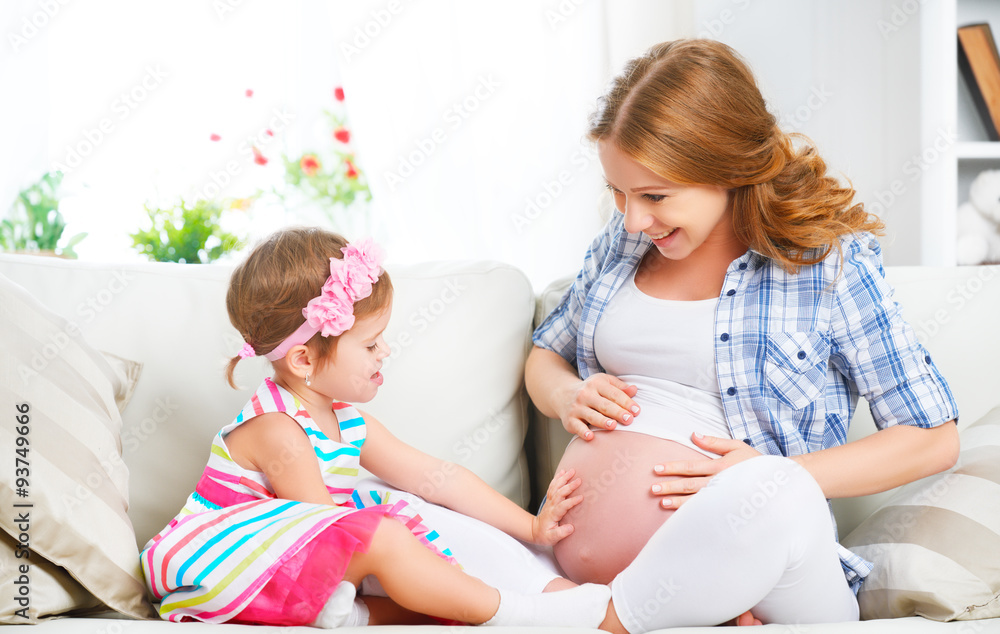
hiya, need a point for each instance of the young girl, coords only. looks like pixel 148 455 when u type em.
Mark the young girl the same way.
pixel 275 531
pixel 735 256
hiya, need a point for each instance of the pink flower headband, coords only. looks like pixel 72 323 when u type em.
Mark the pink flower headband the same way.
pixel 332 312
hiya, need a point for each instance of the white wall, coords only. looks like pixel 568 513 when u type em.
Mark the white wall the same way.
pixel 846 75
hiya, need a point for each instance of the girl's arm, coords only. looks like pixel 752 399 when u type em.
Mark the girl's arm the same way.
pixel 455 487
pixel 276 445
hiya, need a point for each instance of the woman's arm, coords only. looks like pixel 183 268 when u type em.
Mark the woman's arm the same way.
pixel 884 460
pixel 602 400
pixel 455 487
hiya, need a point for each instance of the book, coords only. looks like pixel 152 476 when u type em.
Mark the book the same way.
pixel 980 65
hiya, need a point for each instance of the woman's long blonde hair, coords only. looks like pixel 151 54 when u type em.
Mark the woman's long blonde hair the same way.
pixel 691 111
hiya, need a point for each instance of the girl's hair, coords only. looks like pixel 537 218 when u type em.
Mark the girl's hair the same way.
pixel 269 289
pixel 691 111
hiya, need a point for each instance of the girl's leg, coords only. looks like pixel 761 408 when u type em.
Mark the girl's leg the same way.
pixel 759 537
pixel 419 580
pixel 484 551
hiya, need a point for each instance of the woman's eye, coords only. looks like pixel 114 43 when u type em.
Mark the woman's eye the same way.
pixel 373 347
pixel 612 189
pixel 655 198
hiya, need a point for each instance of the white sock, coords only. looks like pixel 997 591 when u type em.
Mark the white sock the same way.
pixel 342 609
pixel 582 606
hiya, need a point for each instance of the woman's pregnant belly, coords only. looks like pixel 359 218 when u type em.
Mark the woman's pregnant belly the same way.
pixel 618 514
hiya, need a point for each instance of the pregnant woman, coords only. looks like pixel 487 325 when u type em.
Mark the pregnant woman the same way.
pixel 709 356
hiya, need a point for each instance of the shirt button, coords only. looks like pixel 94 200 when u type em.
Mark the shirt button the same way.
pixel 731 391
pixel 725 336
pixel 743 266
pixel 927 358
pixel 731 292
pixel 802 354
pixel 747 442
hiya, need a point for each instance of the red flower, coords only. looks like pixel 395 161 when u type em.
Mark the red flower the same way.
pixel 338 93
pixel 258 158
pixel 310 165
pixel 342 134
pixel 249 92
pixel 351 171
pixel 268 132
pixel 215 137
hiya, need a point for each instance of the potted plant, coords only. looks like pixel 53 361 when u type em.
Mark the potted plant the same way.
pixel 34 224
pixel 185 232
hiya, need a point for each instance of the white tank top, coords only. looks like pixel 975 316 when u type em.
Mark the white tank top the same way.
pixel 666 348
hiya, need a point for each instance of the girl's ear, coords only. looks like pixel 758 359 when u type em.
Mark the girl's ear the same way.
pixel 299 362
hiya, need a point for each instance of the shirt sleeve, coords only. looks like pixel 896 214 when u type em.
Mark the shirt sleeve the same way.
pixel 878 350
pixel 558 332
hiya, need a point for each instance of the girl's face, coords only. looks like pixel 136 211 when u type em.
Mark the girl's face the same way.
pixel 352 374
pixel 679 218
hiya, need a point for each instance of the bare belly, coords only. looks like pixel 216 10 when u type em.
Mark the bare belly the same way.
pixel 618 514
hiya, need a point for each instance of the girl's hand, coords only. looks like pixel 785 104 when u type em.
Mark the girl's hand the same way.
pixel 601 400
pixel 545 527
pixel 694 475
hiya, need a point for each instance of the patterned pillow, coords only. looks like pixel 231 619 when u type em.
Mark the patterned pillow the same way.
pixel 936 542
pixel 68 542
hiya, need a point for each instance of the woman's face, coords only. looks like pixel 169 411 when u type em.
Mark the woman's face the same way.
pixel 678 218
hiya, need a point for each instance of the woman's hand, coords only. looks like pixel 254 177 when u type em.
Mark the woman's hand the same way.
pixel 545 528
pixel 694 475
pixel 601 400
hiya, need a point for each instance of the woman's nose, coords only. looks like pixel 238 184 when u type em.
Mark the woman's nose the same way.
pixel 635 218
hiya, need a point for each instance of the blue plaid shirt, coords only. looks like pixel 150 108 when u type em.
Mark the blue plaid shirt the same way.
pixel 793 351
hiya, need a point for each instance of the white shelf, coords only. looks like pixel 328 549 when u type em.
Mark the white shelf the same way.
pixel 947 111
pixel 977 150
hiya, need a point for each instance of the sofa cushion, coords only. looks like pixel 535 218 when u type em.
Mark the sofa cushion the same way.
pixel 935 541
pixel 459 335
pixel 65 518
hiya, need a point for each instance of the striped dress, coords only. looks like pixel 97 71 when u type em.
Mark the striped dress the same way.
pixel 236 553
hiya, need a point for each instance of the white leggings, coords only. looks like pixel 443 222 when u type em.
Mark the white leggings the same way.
pixel 759 537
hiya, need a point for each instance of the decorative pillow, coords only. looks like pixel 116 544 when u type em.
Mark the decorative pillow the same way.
pixel 64 487
pixel 936 541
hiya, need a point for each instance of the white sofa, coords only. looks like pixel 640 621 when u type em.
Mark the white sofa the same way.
pixel 459 334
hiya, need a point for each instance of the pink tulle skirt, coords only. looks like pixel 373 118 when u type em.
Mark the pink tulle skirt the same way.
pixel 301 587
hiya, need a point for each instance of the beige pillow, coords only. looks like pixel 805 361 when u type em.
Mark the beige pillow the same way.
pixel 68 514
pixel 936 542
